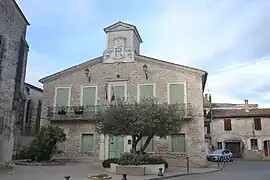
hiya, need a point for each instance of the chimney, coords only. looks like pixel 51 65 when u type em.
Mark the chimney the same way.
pixel 246 106
pixel 206 97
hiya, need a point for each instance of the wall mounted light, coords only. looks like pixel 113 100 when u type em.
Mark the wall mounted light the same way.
pixel 87 74
pixel 145 71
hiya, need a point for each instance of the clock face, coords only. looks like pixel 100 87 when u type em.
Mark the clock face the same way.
pixel 119 51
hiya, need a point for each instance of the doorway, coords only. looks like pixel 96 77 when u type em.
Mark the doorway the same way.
pixel 266 145
pixel 235 148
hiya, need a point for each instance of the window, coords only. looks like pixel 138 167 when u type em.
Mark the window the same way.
pixel 150 147
pixel 176 93
pixel 219 145
pixel 254 144
pixel 146 91
pixel 61 147
pixel 178 143
pixel 227 125
pixel 257 124
pixel 62 96
pixel 89 94
pixel 87 142
pixel 117 93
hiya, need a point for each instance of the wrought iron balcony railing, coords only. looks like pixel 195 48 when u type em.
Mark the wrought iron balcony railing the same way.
pixel 90 112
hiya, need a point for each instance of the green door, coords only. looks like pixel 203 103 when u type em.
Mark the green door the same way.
pixel 87 143
pixel 116 146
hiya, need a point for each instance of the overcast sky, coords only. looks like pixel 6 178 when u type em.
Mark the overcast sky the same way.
pixel 227 38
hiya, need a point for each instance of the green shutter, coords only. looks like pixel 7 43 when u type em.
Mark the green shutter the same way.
pixel 178 143
pixel 61 146
pixel 177 93
pixel 119 93
pixel 89 96
pixel 62 96
pixel 146 91
pixel 87 142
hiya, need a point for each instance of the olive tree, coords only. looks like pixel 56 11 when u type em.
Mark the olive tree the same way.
pixel 141 119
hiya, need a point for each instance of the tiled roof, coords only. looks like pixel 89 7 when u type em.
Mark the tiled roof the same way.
pixel 237 113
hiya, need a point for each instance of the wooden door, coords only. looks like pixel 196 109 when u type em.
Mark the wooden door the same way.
pixel 235 148
pixel 116 146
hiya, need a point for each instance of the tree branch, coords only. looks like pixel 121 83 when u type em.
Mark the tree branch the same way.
pixel 146 143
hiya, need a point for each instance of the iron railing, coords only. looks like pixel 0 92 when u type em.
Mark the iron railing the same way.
pixel 90 112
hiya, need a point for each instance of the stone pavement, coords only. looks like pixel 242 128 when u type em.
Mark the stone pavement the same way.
pixel 80 171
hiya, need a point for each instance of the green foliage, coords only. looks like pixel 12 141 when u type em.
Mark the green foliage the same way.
pixel 134 159
pixel 138 119
pixel 107 163
pixel 44 145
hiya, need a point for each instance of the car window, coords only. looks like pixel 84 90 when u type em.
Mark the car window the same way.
pixel 219 151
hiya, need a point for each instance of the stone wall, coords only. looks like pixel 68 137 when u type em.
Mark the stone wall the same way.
pixel 12 30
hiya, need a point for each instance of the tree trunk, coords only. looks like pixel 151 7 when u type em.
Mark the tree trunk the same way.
pixel 135 140
pixel 146 143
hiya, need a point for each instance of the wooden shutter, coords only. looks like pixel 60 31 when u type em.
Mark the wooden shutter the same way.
pixel 62 96
pixel 257 124
pixel 227 125
pixel 89 96
pixel 119 93
pixel 146 91
pixel 177 93
pixel 87 142
pixel 178 143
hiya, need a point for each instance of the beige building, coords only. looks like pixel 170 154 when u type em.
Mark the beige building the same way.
pixel 121 70
pixel 29 122
pixel 245 130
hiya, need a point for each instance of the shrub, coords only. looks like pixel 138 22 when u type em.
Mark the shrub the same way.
pixel 44 145
pixel 107 163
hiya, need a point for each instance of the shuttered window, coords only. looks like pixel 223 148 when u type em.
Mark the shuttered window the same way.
pixel 146 91
pixel 227 125
pixel 177 93
pixel 257 124
pixel 118 94
pixel 89 96
pixel 62 96
pixel 178 143
pixel 87 142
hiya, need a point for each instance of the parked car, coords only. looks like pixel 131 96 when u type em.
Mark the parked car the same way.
pixel 220 155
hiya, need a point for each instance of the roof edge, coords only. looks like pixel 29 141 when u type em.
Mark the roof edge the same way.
pixel 34 87
pixel 21 12
pixel 71 69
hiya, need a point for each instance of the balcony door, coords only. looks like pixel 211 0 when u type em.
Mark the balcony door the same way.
pixel 117 92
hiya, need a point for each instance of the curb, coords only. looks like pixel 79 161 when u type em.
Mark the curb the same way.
pixel 184 174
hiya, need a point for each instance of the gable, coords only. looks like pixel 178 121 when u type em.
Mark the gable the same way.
pixel 121 26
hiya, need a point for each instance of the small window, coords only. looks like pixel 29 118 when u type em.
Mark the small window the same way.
pixel 254 144
pixel 257 124
pixel 227 125
pixel 219 145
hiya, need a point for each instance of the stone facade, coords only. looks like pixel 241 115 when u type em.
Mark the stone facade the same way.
pixel 129 72
pixel 243 131
pixel 30 118
pixel 13 59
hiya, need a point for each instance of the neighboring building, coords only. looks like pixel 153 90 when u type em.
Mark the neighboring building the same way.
pixel 30 118
pixel 123 72
pixel 13 60
pixel 245 131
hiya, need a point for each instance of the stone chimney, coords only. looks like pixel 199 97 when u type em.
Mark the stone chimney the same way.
pixel 210 98
pixel 246 106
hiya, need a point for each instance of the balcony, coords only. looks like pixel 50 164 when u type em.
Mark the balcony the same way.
pixel 72 113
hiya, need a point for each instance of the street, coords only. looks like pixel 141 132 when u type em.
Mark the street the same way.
pixel 238 170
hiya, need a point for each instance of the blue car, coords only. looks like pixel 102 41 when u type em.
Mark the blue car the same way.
pixel 220 155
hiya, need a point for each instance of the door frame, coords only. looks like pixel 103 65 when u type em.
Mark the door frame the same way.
pixel 235 142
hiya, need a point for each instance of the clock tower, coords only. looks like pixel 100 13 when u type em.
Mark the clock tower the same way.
pixel 123 42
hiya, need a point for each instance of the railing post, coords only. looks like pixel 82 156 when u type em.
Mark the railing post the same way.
pixel 67 177
pixel 187 164
pixel 160 172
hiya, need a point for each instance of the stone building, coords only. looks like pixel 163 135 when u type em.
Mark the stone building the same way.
pixel 30 118
pixel 244 129
pixel 123 72
pixel 13 59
